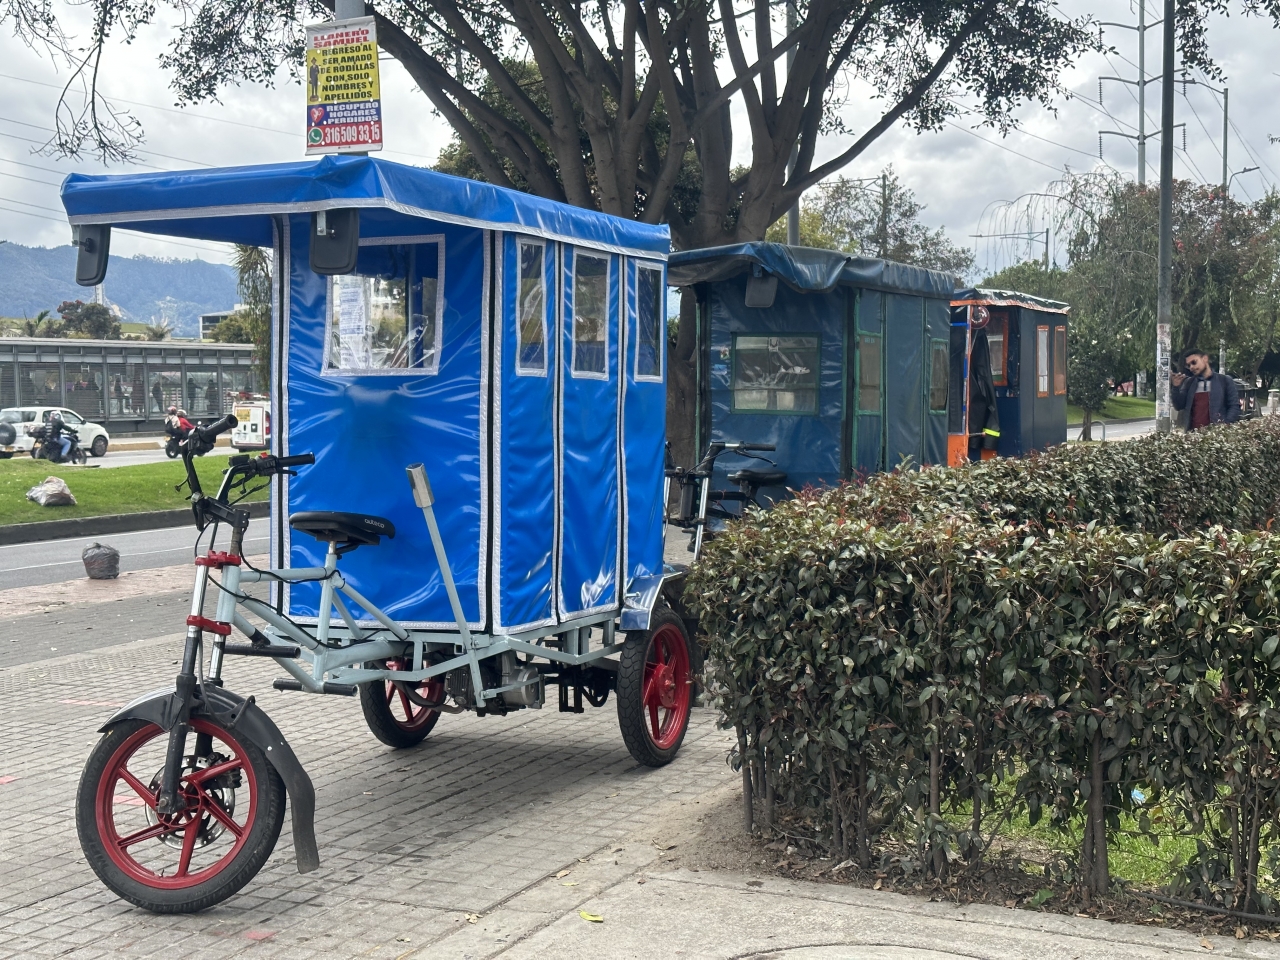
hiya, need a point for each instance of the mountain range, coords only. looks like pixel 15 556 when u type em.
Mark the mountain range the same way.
pixel 145 289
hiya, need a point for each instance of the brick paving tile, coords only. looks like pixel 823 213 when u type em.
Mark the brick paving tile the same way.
pixel 410 841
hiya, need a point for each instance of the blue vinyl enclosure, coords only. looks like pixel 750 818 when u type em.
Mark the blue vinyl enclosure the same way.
pixel 513 345
pixel 839 361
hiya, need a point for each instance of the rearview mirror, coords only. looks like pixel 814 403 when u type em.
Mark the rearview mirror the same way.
pixel 93 243
pixel 335 241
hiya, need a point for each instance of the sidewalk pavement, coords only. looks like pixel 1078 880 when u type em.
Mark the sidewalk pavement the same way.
pixel 491 840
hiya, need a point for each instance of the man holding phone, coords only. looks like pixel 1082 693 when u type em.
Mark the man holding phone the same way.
pixel 1208 397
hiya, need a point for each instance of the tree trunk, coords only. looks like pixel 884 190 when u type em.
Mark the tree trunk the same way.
pixel 1087 432
pixel 682 385
pixel 1099 875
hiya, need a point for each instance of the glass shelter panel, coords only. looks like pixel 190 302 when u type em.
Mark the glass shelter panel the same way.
pixel 126 392
pixel 775 374
pixel 40 384
pixel 201 391
pixel 164 388
pixel 998 346
pixel 84 389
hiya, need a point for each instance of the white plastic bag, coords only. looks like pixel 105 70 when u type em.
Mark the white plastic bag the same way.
pixel 101 563
pixel 52 493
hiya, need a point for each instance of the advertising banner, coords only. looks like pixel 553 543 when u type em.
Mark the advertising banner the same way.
pixel 344 106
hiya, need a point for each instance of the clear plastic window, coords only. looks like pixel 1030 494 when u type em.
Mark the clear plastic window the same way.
pixel 1059 361
pixel 939 375
pixel 1042 361
pixel 650 316
pixel 590 316
pixel 997 331
pixel 531 310
pixel 868 373
pixel 775 374
pixel 384 318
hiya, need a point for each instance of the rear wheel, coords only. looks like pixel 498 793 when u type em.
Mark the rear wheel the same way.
pixel 655 689
pixel 180 863
pixel 390 710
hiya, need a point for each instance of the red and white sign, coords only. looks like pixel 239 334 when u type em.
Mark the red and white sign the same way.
pixel 344 106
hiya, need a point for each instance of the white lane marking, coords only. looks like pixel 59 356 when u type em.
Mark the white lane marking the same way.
pixel 123 556
pixel 133 533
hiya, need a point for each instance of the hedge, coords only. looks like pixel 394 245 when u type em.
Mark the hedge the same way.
pixel 933 652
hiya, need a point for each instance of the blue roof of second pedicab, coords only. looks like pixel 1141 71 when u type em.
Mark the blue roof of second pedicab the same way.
pixel 235 204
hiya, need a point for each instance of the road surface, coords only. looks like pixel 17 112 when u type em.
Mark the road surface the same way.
pixel 53 561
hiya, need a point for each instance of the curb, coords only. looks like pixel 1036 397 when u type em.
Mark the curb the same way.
pixel 40 530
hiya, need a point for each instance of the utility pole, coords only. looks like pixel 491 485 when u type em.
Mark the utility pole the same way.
pixel 1141 83
pixel 793 215
pixel 1046 249
pixel 883 230
pixel 1164 290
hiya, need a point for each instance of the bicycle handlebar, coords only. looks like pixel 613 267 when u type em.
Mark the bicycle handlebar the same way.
pixel 210 432
pixel 751 447
pixel 301 460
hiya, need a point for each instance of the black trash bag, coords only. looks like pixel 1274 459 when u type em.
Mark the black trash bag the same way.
pixel 101 563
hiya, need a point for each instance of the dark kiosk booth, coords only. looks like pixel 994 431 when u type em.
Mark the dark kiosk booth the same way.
pixel 841 362
pixel 1011 351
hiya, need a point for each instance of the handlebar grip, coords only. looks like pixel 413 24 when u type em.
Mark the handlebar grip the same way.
pixel 301 460
pixel 209 434
pixel 756 447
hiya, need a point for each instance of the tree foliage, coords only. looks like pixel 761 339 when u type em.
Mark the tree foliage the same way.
pixel 1226 272
pixel 252 322
pixel 90 320
pixel 874 218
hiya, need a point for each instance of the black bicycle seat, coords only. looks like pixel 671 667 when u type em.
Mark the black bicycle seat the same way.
pixel 759 478
pixel 349 529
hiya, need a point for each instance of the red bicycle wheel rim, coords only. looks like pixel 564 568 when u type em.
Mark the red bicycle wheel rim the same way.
pixel 117 774
pixel 416 716
pixel 667 687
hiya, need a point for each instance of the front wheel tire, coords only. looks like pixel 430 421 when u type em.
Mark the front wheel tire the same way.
pixel 99 448
pixel 188 861
pixel 655 689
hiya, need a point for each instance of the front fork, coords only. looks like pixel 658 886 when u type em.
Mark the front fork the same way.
pixel 169 802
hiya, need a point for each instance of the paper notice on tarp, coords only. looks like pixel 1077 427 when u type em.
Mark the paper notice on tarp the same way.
pixel 344 106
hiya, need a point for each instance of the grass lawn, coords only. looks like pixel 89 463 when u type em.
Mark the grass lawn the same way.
pixel 1117 408
pixel 99 492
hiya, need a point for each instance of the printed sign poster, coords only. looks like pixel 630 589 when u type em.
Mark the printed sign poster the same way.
pixel 344 109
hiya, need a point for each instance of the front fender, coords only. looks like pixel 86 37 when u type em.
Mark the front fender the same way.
pixel 247 719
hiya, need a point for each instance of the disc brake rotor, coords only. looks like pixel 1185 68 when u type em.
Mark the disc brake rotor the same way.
pixel 221 791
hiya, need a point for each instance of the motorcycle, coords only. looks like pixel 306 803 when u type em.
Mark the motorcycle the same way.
pixel 176 435
pixel 48 449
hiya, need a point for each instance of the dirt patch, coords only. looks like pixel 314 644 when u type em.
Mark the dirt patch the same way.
pixel 711 836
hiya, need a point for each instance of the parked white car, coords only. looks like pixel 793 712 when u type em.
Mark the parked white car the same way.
pixel 93 436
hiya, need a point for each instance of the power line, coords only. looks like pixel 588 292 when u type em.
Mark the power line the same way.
pixel 36 205
pixel 156 106
pixel 1003 147
pixel 14 176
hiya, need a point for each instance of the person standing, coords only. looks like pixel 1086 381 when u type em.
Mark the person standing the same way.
pixel 1207 397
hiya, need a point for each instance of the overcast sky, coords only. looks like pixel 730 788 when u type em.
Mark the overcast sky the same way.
pixel 959 173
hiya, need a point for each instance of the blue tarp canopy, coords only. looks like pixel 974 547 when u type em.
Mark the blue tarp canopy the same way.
pixel 806 269
pixel 235 204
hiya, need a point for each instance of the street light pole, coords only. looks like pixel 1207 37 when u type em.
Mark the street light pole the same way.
pixel 1164 290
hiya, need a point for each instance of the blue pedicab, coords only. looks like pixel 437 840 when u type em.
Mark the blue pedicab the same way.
pixel 508 352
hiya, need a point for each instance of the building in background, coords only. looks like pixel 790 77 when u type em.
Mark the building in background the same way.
pixel 126 384
pixel 210 321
